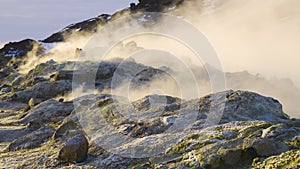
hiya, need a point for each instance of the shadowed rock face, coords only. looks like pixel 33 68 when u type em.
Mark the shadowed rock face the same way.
pixel 92 25
pixel 21 48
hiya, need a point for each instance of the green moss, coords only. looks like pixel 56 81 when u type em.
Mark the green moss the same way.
pixel 192 137
pixel 210 161
pixel 218 136
pixel 295 142
pixel 180 148
pixel 39 68
pixel 190 164
pixel 104 102
pixel 201 144
pixel 249 131
pixel 289 159
pixel 108 112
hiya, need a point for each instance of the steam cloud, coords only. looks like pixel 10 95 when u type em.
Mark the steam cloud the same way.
pixel 261 37
pixel 2 45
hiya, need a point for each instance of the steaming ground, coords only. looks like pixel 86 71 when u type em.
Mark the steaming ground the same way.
pixel 261 37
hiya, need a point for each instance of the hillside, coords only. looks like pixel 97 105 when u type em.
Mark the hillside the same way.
pixel 61 108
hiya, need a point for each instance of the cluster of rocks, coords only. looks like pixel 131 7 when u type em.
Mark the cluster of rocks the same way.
pixel 252 130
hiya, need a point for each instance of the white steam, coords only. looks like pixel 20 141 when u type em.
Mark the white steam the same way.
pixel 257 36
pixel 261 37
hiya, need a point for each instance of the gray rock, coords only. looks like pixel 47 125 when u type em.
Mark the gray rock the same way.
pixel 43 91
pixel 17 81
pixel 267 147
pixel 48 111
pixel 5 72
pixel 64 128
pixel 238 106
pixel 6 89
pixel 74 150
pixel 31 140
pixel 10 134
pixel 62 75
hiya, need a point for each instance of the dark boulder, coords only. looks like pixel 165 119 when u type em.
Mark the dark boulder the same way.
pixel 74 150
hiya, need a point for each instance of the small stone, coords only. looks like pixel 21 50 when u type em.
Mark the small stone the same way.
pixel 6 90
pixel 168 120
pixel 31 103
pixel 74 150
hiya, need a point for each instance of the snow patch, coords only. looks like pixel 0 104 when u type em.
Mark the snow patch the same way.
pixel 78 29
pixel 143 18
pixel 12 53
pixel 91 20
pixel 48 46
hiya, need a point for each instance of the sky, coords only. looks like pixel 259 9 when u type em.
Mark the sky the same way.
pixel 37 19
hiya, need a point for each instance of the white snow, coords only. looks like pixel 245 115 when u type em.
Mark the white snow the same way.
pixel 48 46
pixel 93 19
pixel 78 29
pixel 143 18
pixel 11 53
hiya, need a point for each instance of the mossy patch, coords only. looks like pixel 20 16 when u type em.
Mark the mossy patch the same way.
pixel 249 131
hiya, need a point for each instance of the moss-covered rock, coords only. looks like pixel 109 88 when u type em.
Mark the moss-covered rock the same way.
pixel 288 159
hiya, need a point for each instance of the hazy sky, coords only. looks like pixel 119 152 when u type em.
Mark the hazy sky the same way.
pixel 37 19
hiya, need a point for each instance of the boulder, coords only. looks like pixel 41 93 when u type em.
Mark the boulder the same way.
pixel 74 150
pixel 238 105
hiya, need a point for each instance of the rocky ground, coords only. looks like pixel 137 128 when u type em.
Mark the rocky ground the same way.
pixel 40 127
pixel 43 126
